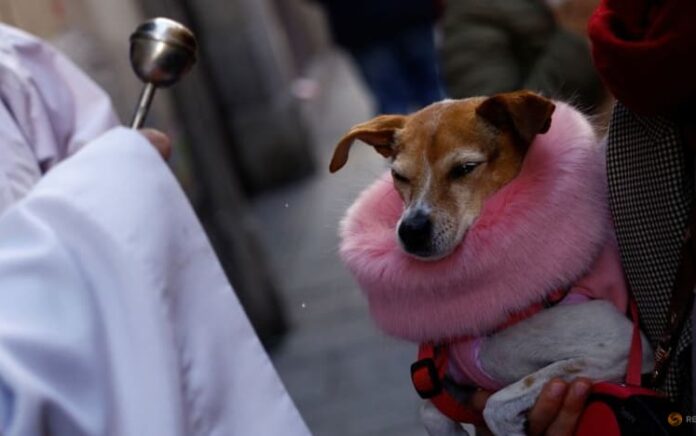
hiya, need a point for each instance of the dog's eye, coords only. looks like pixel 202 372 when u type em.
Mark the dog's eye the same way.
pixel 398 177
pixel 460 171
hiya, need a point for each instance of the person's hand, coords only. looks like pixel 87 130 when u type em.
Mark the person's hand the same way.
pixel 555 412
pixel 558 408
pixel 159 140
pixel 478 403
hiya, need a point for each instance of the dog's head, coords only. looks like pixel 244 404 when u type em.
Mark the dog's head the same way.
pixel 448 158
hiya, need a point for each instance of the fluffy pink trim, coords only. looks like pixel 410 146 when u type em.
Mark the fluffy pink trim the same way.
pixel 540 232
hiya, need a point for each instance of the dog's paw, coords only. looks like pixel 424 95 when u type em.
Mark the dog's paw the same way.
pixel 503 416
pixel 437 424
pixel 501 426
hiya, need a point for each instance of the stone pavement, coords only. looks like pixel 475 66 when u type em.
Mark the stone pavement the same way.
pixel 346 377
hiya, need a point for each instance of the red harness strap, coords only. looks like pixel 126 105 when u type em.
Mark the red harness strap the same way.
pixel 428 375
pixel 429 371
pixel 635 354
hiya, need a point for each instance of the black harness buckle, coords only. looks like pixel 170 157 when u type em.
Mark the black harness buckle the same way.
pixel 425 378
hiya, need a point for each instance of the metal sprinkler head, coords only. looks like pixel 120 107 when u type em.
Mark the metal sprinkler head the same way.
pixel 161 52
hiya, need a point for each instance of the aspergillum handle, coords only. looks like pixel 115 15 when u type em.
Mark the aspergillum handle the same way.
pixel 143 107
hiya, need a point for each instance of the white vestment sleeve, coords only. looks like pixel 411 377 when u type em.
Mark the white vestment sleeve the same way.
pixel 49 109
pixel 115 315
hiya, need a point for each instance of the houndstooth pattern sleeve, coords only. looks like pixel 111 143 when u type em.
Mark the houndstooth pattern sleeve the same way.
pixel 651 190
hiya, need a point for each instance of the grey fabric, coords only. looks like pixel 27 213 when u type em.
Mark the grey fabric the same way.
pixel 492 46
pixel 651 189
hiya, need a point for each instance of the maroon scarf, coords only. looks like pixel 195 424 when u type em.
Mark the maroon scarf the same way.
pixel 645 51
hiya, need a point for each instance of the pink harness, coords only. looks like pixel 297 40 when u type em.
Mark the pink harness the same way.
pixel 459 359
pixel 465 366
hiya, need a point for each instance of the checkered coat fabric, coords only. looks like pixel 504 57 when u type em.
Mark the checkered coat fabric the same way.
pixel 651 187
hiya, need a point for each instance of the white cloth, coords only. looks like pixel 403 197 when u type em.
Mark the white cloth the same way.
pixel 115 315
pixel 49 109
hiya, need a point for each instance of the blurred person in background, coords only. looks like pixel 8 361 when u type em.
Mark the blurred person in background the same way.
pixel 498 46
pixel 393 45
pixel 644 51
pixel 115 315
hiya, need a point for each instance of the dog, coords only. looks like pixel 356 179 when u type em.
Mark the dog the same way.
pixel 494 204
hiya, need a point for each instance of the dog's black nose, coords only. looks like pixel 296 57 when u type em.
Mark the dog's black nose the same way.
pixel 415 233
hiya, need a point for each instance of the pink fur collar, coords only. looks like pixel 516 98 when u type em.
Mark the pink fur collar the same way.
pixel 540 232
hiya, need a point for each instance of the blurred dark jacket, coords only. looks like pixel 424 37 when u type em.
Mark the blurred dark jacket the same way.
pixel 493 46
pixel 358 23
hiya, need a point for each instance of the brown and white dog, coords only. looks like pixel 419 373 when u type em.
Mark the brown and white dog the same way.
pixel 494 203
pixel 448 158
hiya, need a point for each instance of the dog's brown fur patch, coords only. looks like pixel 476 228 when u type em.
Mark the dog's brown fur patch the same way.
pixel 529 381
pixel 571 369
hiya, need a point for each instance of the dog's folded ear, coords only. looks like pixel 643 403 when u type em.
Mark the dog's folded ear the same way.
pixel 523 113
pixel 378 132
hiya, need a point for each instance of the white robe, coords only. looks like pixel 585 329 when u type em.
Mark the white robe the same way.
pixel 115 315
pixel 49 109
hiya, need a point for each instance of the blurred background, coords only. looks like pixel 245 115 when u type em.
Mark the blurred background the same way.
pixel 277 84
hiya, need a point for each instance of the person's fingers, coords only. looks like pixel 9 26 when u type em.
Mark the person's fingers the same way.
pixel 478 403
pixel 573 405
pixel 478 400
pixel 160 140
pixel 547 406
